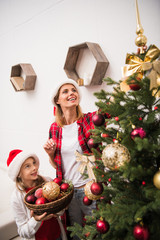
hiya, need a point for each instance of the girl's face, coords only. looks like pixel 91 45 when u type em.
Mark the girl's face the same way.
pixel 29 171
pixel 68 96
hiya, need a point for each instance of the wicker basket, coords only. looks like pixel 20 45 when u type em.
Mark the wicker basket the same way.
pixel 51 207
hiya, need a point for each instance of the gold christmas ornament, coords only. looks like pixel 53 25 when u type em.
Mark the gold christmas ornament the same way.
pixel 140 40
pixel 115 155
pixel 156 180
pixel 158 80
pixel 51 190
pixel 133 126
pixel 136 64
pixel 88 193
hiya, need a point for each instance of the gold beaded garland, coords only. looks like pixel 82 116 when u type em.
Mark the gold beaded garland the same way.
pixel 114 155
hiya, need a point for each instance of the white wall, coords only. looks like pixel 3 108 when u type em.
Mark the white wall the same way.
pixel 40 32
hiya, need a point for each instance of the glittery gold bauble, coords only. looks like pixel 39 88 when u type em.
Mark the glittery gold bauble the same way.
pixel 158 81
pixel 156 180
pixel 88 193
pixel 51 190
pixel 141 40
pixel 115 155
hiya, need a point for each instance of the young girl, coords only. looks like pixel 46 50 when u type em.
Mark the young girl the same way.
pixel 23 169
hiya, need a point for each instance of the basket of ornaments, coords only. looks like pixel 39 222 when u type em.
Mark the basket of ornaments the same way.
pixel 50 197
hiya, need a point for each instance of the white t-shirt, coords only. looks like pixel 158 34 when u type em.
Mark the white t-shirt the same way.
pixel 69 146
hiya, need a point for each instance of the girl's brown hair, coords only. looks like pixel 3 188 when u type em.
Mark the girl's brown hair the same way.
pixel 21 187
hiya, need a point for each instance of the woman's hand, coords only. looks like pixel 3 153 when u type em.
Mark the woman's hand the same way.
pixel 42 217
pixel 50 148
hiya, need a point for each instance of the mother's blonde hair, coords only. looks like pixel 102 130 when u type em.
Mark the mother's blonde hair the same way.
pixel 59 118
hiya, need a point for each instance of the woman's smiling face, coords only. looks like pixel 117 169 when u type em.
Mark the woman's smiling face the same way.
pixel 68 96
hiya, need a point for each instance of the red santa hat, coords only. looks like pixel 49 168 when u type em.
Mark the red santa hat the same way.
pixel 16 159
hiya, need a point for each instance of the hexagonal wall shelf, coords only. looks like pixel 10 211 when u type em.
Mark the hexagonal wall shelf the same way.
pixel 73 57
pixel 23 77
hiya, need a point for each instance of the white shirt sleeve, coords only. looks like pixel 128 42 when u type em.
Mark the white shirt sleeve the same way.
pixel 27 226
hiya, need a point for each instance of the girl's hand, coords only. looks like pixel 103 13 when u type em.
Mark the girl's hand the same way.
pixel 42 217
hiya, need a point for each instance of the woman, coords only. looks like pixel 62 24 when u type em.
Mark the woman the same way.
pixel 70 133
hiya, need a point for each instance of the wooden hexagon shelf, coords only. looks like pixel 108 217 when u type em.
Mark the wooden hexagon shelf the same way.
pixel 23 77
pixel 100 67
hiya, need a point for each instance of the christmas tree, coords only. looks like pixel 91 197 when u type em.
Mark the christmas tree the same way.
pixel 126 168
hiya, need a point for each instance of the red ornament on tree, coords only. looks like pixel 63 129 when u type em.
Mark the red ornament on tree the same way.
pixel 143 183
pixel 107 115
pixel 141 232
pixel 116 118
pixel 91 143
pixel 104 135
pixel 133 84
pixel 87 234
pixel 98 119
pixel 87 201
pixel 97 188
pixel 102 226
pixel 134 87
pixel 138 132
pixel 102 198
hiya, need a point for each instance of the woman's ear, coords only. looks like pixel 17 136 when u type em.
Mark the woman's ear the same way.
pixel 57 101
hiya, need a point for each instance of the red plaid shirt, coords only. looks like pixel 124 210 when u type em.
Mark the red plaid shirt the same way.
pixel 55 132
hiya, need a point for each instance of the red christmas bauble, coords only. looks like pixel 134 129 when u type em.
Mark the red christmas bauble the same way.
pixel 116 118
pixel 57 180
pixel 138 132
pixel 107 115
pixel 97 188
pixel 41 200
pixel 31 198
pixel 64 187
pixel 91 143
pixel 98 120
pixel 102 226
pixel 102 198
pixel 134 87
pixel 141 232
pixel 87 234
pixel 38 193
pixel 104 135
pixel 87 201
